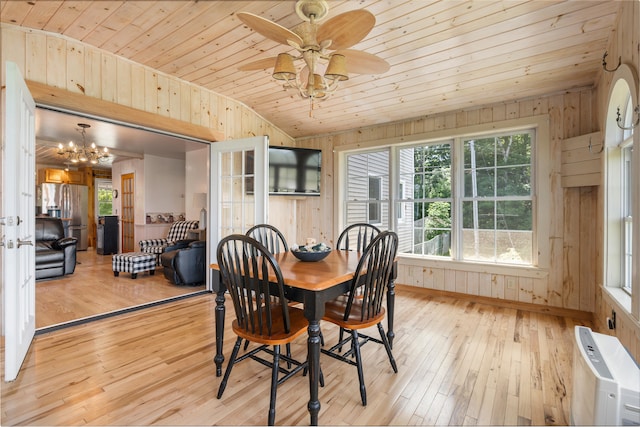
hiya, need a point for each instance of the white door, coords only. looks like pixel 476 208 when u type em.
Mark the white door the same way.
pixel 239 188
pixel 18 222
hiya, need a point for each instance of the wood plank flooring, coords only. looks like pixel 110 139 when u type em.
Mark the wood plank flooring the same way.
pixel 460 363
pixel 93 290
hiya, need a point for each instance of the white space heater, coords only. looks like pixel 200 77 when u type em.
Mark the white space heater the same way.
pixel 606 382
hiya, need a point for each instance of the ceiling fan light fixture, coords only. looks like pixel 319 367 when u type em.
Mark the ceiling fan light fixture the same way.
pixel 337 68
pixel 284 68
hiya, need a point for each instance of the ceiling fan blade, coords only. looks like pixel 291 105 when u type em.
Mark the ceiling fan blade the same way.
pixel 359 62
pixel 346 29
pixel 260 64
pixel 269 29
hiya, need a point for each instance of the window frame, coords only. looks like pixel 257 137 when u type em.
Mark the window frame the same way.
pixel 537 125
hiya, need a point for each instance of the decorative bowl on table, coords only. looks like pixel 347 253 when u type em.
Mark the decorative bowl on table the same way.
pixel 310 253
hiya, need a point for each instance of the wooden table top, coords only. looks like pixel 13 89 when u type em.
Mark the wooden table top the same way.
pixel 338 267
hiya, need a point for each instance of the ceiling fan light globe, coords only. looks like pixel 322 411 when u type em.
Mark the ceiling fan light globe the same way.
pixel 337 68
pixel 284 68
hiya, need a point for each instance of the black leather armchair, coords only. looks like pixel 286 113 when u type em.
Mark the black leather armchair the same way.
pixel 55 254
pixel 186 266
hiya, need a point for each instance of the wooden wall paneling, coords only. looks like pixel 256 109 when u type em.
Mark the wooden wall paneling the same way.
pixel 151 91
pixel 11 42
pixel 484 284
pixel 163 95
pixel 213 111
pixel 109 82
pixel 124 83
pixel 497 286
pixel 138 88
pixel 582 166
pixel 525 289
pixel 460 281
pixel 205 109
pixel 196 94
pixel 540 291
pixel 473 286
pixel 75 67
pixel 556 247
pixel 92 73
pixel 439 278
pixel 222 114
pixel 185 102
pixel 588 239
pixel 36 57
pixel 56 54
pixel 571 264
pixel 450 280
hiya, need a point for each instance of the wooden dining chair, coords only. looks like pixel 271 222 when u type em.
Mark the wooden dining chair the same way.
pixel 245 265
pixel 357 237
pixel 352 313
pixel 270 237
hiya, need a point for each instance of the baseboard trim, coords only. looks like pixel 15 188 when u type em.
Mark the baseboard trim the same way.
pixel 516 305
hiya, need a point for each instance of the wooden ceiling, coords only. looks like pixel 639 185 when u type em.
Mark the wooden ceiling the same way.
pixel 444 55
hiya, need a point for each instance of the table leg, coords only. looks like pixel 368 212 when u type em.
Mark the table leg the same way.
pixel 219 316
pixel 313 355
pixel 391 302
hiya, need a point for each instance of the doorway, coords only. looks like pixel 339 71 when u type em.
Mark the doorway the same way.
pixel 77 295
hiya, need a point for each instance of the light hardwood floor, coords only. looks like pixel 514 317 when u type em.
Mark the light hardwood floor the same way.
pixel 93 290
pixel 460 362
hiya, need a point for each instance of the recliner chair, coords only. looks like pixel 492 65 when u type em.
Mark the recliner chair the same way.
pixel 55 254
pixel 186 266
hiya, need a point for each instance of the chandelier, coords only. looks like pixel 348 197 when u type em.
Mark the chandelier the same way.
pixel 76 153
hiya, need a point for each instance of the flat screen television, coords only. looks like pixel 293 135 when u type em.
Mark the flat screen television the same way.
pixel 294 171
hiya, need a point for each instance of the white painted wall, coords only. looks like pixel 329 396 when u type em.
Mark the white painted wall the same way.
pixel 196 179
pixel 164 184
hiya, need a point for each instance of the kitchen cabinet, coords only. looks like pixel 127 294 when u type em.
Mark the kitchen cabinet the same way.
pixel 60 176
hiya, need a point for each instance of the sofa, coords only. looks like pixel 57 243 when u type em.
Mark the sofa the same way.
pixel 55 253
pixel 185 266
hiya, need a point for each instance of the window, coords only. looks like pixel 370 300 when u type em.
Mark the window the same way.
pixel 487 180
pixel 429 168
pixel 496 203
pixel 627 206
pixel 375 195
pixel 104 197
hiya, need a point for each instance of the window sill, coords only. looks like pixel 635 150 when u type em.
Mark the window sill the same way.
pixel 619 296
pixel 504 269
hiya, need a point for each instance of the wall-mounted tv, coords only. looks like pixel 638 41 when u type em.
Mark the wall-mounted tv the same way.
pixel 294 171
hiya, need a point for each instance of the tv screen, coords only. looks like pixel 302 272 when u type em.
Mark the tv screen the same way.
pixel 294 171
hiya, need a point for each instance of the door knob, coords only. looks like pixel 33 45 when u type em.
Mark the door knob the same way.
pixel 24 243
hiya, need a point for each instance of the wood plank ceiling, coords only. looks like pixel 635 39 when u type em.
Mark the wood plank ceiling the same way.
pixel 445 55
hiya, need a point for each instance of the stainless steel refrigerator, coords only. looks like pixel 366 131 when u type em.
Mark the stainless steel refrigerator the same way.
pixel 71 203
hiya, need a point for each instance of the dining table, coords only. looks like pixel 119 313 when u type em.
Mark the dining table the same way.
pixel 312 284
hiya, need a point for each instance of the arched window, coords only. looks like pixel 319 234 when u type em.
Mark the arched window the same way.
pixel 620 185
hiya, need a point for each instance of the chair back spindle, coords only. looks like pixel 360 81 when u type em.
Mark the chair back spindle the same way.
pixel 357 237
pixel 270 237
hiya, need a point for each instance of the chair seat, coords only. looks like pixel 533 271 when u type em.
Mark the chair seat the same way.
pixel 334 312
pixel 278 336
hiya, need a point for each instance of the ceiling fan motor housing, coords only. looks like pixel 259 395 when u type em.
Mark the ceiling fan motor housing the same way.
pixel 308 8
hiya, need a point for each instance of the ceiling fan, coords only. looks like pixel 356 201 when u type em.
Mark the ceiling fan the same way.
pixel 323 69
